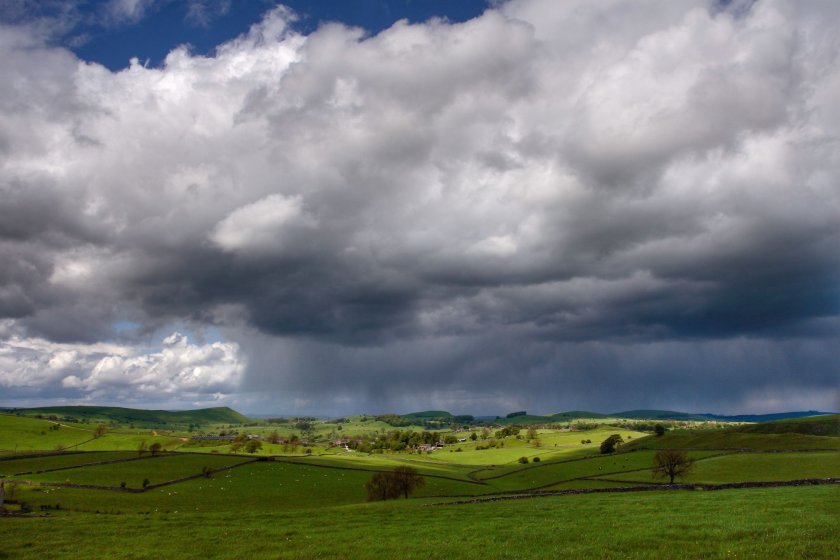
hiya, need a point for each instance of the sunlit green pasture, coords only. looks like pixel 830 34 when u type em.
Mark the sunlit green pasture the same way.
pixel 118 440
pixel 375 462
pixel 19 434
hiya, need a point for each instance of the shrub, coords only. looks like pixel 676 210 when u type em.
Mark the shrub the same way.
pixel 523 460
pixel 536 459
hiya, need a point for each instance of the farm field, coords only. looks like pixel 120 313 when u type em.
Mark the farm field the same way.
pixel 10 466
pixel 272 504
pixel 155 469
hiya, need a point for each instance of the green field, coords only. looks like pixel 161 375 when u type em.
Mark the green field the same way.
pixel 156 469
pixel 20 435
pixel 760 523
pixel 9 467
pixel 315 506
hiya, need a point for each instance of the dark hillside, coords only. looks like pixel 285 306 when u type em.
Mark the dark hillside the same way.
pixel 218 415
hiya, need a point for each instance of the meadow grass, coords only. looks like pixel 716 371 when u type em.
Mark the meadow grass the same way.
pixel 727 439
pixel 156 469
pixel 762 523
pixel 19 434
pixel 130 441
pixel 552 473
pixel 9 467
pixel 746 467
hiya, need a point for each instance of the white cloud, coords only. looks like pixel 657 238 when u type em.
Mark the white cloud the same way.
pixel 179 371
pixel 126 11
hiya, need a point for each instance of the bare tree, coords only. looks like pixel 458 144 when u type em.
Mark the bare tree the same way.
pixel 671 463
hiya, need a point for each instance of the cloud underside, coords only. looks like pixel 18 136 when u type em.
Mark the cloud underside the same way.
pixel 553 203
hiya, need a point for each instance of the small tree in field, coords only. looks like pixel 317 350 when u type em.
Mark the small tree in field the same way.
pixel 659 429
pixel 671 463
pixel 253 446
pixel 155 448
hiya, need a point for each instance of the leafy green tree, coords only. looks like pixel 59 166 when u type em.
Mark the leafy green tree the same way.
pixel 659 429
pixel 609 444
pixel 253 446
pixel 155 448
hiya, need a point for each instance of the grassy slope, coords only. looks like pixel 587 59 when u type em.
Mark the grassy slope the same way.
pixel 31 434
pixel 759 523
pixel 815 426
pixel 741 467
pixel 9 467
pixel 730 439
pixel 157 469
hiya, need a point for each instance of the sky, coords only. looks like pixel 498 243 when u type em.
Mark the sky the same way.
pixel 330 208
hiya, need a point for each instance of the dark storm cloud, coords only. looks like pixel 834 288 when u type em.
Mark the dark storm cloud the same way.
pixel 581 205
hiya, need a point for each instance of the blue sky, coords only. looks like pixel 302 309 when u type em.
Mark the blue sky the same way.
pixel 152 29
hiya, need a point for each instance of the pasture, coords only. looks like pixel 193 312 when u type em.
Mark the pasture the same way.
pixel 271 504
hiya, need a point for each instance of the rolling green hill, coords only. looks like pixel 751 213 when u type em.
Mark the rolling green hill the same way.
pixel 429 414
pixel 575 414
pixel 218 415
pixel 659 415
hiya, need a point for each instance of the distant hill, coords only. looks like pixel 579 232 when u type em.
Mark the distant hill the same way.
pixel 658 415
pixel 429 414
pixel 575 414
pixel 766 417
pixel 218 415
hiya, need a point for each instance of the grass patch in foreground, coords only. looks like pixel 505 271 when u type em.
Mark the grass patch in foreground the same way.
pixel 757 523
